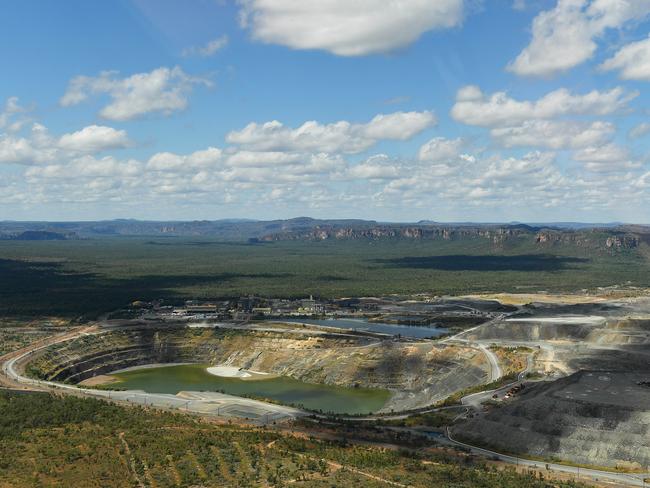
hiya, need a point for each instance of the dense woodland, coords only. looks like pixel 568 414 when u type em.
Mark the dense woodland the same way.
pixel 85 278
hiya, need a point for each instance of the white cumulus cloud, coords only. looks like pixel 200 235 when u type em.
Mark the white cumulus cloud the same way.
pixel 37 146
pixel 163 90
pixel 167 161
pixel 255 159
pixel 347 28
pixel 606 158
pixel 632 61
pixel 566 35
pixel 473 107
pixel 87 166
pixel 18 150
pixel 94 138
pixel 440 150
pixel 10 116
pixel 516 168
pixel 554 134
pixel 377 167
pixel 342 136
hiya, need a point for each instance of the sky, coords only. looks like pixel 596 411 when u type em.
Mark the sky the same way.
pixel 393 110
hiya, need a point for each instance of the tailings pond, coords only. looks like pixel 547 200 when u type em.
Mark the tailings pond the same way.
pixel 194 377
pixel 416 331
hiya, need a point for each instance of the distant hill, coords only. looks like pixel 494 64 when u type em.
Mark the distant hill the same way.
pixel 40 235
pixel 602 236
pixel 500 236
pixel 228 229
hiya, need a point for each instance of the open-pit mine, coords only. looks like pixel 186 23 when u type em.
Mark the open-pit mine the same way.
pixel 557 379
pixel 393 374
pixel 589 400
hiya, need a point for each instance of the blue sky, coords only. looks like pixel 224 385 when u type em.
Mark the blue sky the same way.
pixel 533 110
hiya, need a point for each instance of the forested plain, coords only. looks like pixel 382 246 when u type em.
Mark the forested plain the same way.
pixel 52 441
pixel 85 278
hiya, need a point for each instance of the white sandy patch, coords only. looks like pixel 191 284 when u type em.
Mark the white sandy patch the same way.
pixel 564 319
pixel 234 372
pixel 228 372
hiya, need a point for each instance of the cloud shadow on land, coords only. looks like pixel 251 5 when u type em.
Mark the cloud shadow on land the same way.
pixel 49 289
pixel 466 262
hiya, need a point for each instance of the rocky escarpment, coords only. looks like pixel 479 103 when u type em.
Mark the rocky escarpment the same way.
pixel 497 235
pixel 305 228
pixel 418 374
pixel 607 240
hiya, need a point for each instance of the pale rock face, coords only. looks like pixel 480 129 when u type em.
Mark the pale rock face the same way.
pixel 498 236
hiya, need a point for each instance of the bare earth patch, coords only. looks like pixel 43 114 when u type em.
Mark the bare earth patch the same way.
pixel 102 379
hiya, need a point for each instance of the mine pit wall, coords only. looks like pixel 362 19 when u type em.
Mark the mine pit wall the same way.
pixel 532 331
pixel 621 343
pixel 557 421
pixel 418 374
pixel 612 331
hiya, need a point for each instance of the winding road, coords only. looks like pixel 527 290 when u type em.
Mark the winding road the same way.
pixel 205 403
pixel 495 369
pixel 628 479
pixel 228 405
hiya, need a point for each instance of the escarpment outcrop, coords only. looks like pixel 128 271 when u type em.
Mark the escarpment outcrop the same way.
pixel 497 234
pixel 602 239
pixel 623 242
pixel 590 239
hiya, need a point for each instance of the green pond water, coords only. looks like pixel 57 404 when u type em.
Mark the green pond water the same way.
pixel 194 377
